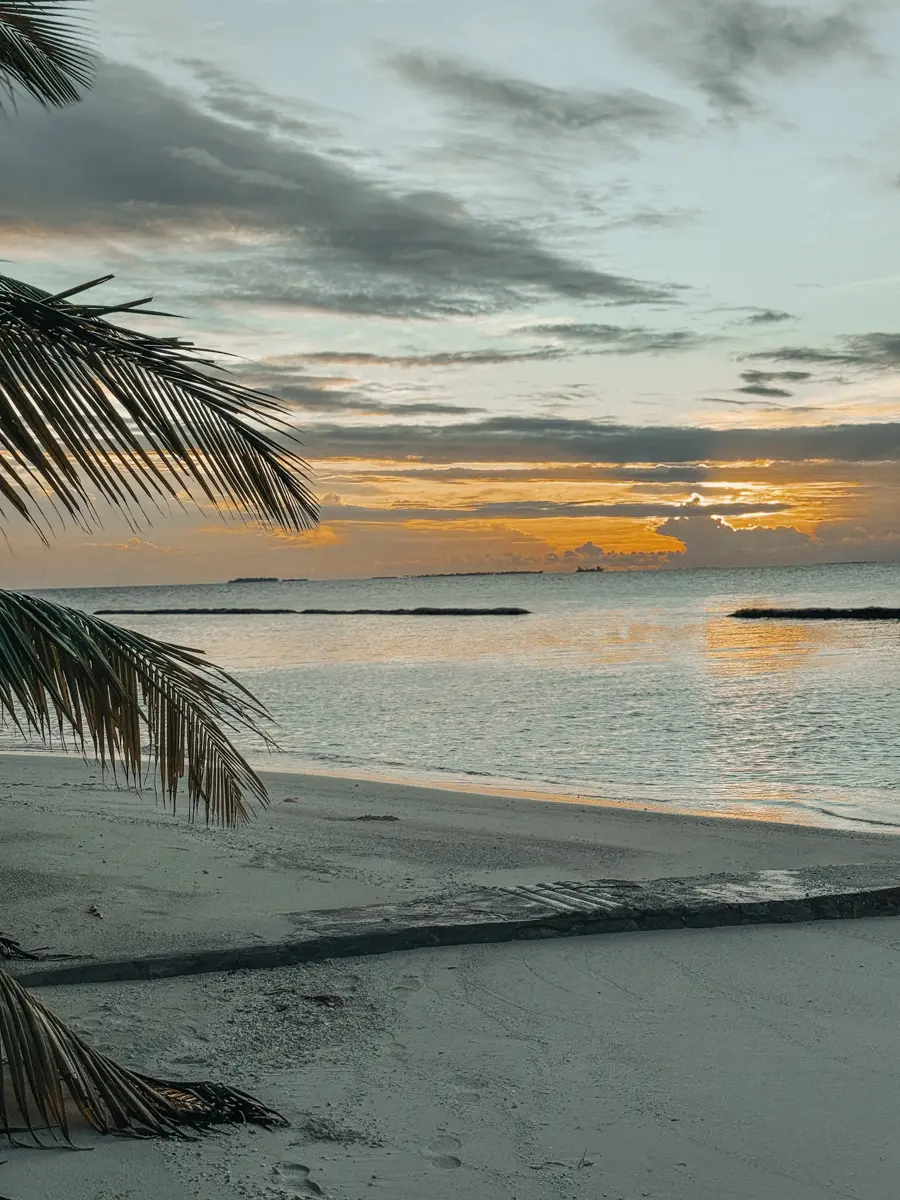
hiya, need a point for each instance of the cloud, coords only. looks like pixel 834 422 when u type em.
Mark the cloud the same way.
pixel 868 350
pixel 134 545
pixel 662 475
pixel 457 358
pixel 248 104
pixel 759 389
pixel 531 108
pixel 311 393
pixel 585 338
pixel 309 400
pixel 768 316
pixel 617 339
pixel 766 402
pixel 700 534
pixel 766 377
pixel 535 510
pixel 591 555
pixel 726 400
pixel 586 555
pixel 761 383
pixel 139 159
pixel 849 541
pixel 724 48
pixel 560 439
pixel 709 541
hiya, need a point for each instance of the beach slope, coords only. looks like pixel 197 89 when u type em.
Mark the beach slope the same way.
pixel 91 870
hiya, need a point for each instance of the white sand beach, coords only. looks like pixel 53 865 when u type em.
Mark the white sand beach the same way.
pixel 719 1063
pixel 162 883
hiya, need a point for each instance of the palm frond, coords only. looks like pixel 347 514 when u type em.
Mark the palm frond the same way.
pixel 10 948
pixel 48 1067
pixel 42 51
pixel 88 404
pixel 64 671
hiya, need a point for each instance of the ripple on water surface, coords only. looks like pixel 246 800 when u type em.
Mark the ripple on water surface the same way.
pixel 631 688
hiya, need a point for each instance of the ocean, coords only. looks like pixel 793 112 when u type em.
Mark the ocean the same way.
pixel 623 688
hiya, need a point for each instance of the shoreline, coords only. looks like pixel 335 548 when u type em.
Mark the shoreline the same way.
pixel 775 811
pixel 493 1104
pixel 73 844
pixel 772 812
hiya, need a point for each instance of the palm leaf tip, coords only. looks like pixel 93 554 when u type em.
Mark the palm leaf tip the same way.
pixel 46 1068
pixel 66 672
pixel 143 420
pixel 11 948
pixel 43 51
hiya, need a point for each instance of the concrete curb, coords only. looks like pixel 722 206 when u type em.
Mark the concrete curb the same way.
pixel 494 915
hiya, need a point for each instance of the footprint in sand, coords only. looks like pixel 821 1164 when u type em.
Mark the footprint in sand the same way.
pixel 408 983
pixel 391 1048
pixel 448 1161
pixel 440 1152
pixel 464 1092
pixel 297 1177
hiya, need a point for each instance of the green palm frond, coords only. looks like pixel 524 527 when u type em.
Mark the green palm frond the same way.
pixel 48 1068
pixel 65 672
pixel 42 51
pixel 86 404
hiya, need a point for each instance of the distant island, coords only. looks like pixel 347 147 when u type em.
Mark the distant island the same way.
pixel 194 612
pixel 314 612
pixel 588 570
pixel 256 579
pixel 468 574
pixel 872 613
pixel 296 579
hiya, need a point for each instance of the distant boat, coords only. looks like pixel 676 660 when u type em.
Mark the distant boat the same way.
pixel 588 570
pixel 256 579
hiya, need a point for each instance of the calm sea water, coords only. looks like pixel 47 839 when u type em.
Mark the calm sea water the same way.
pixel 631 688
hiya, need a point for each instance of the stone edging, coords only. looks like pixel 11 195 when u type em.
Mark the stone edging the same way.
pixel 494 915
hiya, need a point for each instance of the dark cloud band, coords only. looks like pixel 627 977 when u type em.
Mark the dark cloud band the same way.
pixel 562 440
pixel 138 158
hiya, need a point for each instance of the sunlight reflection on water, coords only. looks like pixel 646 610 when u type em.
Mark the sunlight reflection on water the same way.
pixel 626 688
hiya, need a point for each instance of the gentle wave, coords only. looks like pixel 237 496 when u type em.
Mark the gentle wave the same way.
pixel 617 688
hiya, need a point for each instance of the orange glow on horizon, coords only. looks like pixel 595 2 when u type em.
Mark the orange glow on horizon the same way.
pixel 854 503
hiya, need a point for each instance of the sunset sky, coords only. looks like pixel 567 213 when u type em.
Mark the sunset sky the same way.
pixel 592 282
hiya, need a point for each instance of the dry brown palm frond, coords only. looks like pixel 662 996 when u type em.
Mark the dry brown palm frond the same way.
pixel 45 1067
pixel 10 948
pixel 67 672
pixel 42 51
pixel 88 404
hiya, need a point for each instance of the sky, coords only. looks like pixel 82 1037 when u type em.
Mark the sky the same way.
pixel 597 282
